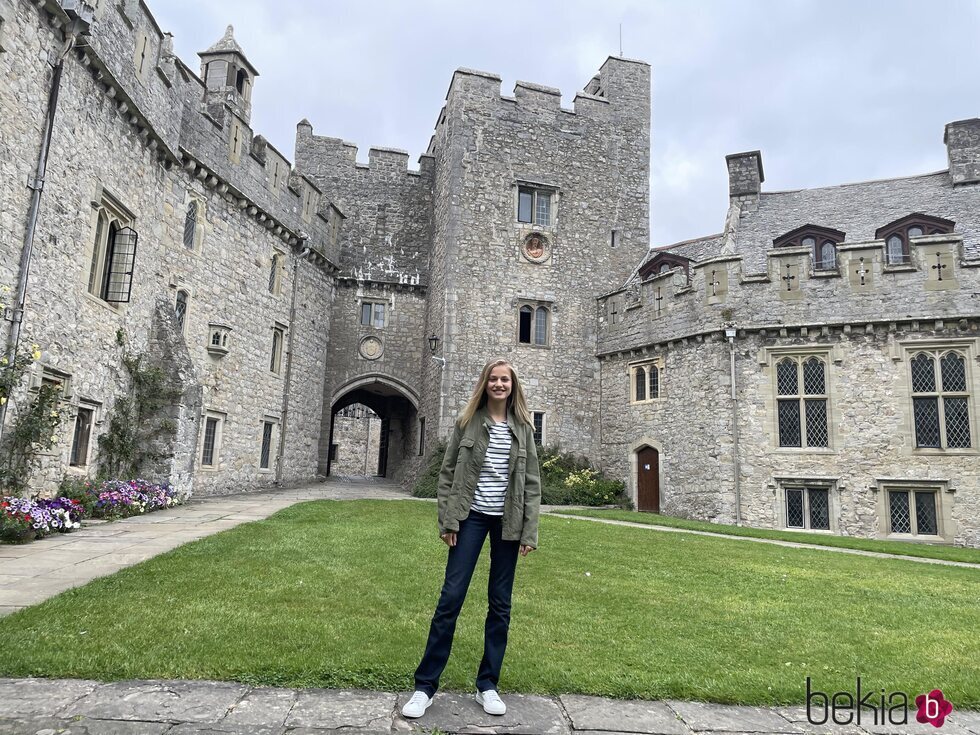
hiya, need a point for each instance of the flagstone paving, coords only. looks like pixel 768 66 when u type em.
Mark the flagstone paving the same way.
pixel 48 706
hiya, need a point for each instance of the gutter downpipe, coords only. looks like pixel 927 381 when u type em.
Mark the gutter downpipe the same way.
pixel 78 26
pixel 730 334
pixel 284 414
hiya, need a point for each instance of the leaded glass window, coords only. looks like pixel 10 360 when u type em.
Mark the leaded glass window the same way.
pixel 940 408
pixel 190 226
pixel 534 325
pixel 808 507
pixel 914 511
pixel 534 206
pixel 645 382
pixel 180 309
pixel 801 402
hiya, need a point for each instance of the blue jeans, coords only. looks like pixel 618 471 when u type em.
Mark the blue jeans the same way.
pixel 473 531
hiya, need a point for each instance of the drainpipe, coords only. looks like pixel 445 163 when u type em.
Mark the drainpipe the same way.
pixel 78 25
pixel 730 334
pixel 284 414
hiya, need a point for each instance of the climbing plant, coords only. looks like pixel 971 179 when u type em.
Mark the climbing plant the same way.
pixel 141 430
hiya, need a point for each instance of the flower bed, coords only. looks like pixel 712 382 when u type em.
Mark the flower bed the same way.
pixel 26 519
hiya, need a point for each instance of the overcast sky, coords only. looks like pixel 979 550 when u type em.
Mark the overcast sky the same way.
pixel 831 91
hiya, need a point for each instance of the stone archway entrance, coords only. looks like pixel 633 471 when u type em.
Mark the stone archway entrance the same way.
pixel 648 480
pixel 394 406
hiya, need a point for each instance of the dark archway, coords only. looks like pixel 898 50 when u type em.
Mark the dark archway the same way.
pixel 397 407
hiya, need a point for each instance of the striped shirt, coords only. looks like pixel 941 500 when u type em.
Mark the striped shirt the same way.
pixel 492 485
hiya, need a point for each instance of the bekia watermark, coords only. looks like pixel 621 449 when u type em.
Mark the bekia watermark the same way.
pixel 876 705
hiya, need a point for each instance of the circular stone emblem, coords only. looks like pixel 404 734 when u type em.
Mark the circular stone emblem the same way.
pixel 371 348
pixel 536 247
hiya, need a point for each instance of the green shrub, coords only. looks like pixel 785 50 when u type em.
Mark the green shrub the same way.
pixel 426 486
pixel 566 479
pixel 80 489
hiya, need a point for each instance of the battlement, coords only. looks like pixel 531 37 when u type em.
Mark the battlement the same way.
pixel 325 157
pixel 164 101
pixel 619 82
pixel 862 288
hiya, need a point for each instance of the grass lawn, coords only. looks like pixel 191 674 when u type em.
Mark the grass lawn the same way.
pixel 901 548
pixel 340 594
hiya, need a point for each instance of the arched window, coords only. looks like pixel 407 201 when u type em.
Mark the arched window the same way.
pixel 534 325
pixel 640 381
pixel 275 273
pixel 897 234
pixel 190 226
pixel 821 242
pixel 180 308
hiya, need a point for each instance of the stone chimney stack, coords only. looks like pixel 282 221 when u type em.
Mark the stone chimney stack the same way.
pixel 962 139
pixel 745 175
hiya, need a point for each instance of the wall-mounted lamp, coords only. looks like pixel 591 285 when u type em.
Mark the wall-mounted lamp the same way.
pixel 433 347
pixel 730 333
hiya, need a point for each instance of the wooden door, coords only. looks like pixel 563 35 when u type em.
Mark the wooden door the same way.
pixel 648 480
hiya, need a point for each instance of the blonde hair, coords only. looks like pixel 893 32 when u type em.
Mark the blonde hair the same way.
pixel 516 403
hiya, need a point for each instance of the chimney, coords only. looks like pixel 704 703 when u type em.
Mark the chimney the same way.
pixel 745 175
pixel 962 139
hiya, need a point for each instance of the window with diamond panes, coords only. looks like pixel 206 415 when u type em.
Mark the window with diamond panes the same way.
pixel 940 400
pixel 808 507
pixel 913 512
pixel 801 405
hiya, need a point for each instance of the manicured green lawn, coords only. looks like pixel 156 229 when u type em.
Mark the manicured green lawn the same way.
pixel 339 594
pixel 901 548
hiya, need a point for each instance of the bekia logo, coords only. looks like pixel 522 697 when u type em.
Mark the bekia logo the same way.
pixel 933 708
pixel 877 707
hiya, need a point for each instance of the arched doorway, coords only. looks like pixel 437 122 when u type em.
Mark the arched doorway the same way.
pixel 389 409
pixel 648 480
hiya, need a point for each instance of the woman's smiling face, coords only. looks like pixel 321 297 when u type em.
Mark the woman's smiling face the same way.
pixel 499 384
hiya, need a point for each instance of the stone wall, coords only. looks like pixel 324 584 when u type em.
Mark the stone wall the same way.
pixel 117 135
pixel 357 440
pixel 595 161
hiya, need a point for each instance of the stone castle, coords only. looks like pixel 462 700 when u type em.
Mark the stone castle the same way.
pixel 813 366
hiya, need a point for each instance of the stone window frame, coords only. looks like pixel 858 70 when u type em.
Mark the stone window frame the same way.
pixel 969 348
pixel 95 409
pixel 373 316
pixel 814 238
pixel 535 307
pixel 421 425
pixel 899 233
pixel 534 189
pixel 540 427
pixel 769 357
pixel 830 484
pixel 633 370
pixel 182 319
pixel 221 419
pixel 196 238
pixel 944 495
pixel 277 271
pixel 270 455
pixel 107 212
pixel 278 348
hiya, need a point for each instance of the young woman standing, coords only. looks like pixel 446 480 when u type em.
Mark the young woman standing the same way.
pixel 488 486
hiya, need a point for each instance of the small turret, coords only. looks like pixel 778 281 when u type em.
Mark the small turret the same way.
pixel 228 78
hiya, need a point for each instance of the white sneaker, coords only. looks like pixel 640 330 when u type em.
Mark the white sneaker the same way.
pixel 491 701
pixel 417 705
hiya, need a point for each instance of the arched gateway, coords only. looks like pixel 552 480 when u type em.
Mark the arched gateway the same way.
pixel 397 406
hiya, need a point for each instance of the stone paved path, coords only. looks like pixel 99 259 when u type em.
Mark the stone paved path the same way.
pixel 48 706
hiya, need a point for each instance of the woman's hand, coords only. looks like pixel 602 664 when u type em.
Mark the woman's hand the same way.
pixel 449 537
pixel 525 550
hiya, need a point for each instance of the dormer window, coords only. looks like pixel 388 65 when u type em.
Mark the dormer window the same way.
pixel 897 234
pixel 664 263
pixel 822 243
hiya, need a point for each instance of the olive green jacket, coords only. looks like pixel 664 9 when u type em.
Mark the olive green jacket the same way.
pixel 461 470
